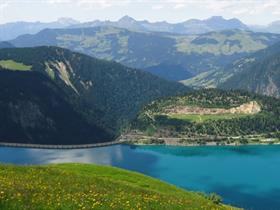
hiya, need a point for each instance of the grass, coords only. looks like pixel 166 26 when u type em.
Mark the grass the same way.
pixel 202 118
pixel 13 65
pixel 78 186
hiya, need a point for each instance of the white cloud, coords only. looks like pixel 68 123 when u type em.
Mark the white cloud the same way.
pixel 236 7
pixel 157 7
pixel 3 4
pixel 58 1
pixel 102 3
pixel 91 3
pixel 179 6
pixel 240 11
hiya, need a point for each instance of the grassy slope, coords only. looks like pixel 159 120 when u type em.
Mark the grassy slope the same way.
pixel 15 66
pixel 204 117
pixel 76 186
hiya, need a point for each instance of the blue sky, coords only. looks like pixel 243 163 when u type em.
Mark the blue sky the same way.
pixel 249 11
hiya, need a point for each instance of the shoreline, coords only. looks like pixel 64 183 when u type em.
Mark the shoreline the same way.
pixel 129 143
pixel 204 145
pixel 142 139
pixel 49 146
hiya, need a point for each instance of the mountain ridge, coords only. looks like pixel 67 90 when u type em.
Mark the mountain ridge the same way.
pixel 189 54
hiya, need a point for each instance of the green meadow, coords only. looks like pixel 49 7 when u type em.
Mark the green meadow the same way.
pixel 205 117
pixel 80 186
pixel 13 65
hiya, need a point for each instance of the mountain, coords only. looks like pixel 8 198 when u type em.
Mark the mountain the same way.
pixel 217 23
pixel 193 26
pixel 5 45
pixel 55 89
pixel 259 73
pixel 186 54
pixel 273 27
pixel 208 116
pixel 12 30
pixel 34 110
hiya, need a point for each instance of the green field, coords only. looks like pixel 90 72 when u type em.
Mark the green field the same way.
pixel 77 186
pixel 13 65
pixel 205 117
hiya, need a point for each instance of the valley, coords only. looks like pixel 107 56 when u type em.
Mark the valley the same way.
pixel 215 59
pixel 188 54
pixel 194 103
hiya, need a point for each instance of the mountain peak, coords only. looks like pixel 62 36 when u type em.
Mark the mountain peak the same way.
pixel 220 23
pixel 126 18
pixel 67 21
pixel 216 18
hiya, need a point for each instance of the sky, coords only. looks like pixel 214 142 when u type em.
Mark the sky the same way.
pixel 253 12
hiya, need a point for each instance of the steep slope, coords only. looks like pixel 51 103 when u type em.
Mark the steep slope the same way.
pixel 187 53
pixel 80 186
pixel 105 94
pixel 259 73
pixel 35 110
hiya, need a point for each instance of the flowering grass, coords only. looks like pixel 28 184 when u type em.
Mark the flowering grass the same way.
pixel 79 186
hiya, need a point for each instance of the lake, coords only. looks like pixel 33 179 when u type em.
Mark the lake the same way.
pixel 245 176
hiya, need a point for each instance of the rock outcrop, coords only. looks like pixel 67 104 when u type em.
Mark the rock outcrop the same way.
pixel 248 108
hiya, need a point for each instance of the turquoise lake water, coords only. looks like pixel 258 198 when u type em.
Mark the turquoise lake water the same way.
pixel 245 176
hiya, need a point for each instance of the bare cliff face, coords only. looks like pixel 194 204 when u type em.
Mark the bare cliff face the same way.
pixel 248 108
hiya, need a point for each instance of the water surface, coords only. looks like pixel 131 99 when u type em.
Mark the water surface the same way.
pixel 245 176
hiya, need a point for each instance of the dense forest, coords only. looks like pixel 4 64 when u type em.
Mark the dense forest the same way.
pixel 104 94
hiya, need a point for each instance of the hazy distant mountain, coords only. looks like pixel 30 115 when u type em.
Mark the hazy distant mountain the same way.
pixel 5 45
pixel 12 30
pixel 193 26
pixel 273 27
pixel 171 56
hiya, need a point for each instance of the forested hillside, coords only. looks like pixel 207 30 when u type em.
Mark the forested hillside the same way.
pixel 35 110
pixel 210 115
pixel 99 93
pixel 259 73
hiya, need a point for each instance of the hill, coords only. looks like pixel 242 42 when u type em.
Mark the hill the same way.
pixel 101 96
pixel 77 186
pixel 186 54
pixel 259 73
pixel 215 116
